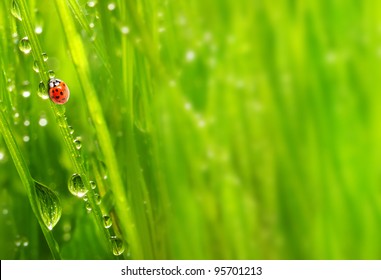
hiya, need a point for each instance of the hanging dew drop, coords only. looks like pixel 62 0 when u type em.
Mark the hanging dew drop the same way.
pixel 76 186
pixel 24 45
pixel 107 222
pixel 42 92
pixel 36 68
pixel 71 130
pixel 98 199
pixel 44 56
pixel 77 143
pixel 117 245
pixel 49 205
pixel 93 185
pixel 88 207
pixel 15 10
pixel 51 74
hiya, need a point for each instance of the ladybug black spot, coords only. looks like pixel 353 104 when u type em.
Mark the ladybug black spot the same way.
pixel 61 93
pixel 56 90
pixel 56 97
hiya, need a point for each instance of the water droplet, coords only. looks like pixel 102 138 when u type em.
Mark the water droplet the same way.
pixel 26 138
pixel 91 4
pixel 107 222
pixel 43 121
pixel 36 68
pixel 49 205
pixel 190 55
pixel 38 29
pixel 42 92
pixel 111 6
pixel 91 25
pixel 76 186
pixel 1 156
pixel 24 45
pixel 71 130
pixel 26 122
pixel 18 241
pixel 85 198
pixel 93 185
pixel 88 207
pixel 51 73
pixel 77 142
pixel 25 242
pixel 98 199
pixel 26 93
pixel 5 211
pixel 44 56
pixel 125 29
pixel 117 245
pixel 15 10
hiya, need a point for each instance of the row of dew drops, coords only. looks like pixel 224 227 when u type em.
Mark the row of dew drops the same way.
pixel 76 185
pixel 78 188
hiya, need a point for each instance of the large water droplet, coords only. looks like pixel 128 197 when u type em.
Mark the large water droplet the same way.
pixel 15 10
pixel 24 45
pixel 117 245
pixel 107 222
pixel 76 186
pixel 42 92
pixel 49 205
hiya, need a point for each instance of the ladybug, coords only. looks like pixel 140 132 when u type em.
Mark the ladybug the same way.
pixel 58 91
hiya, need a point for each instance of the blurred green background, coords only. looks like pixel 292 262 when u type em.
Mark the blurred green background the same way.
pixel 240 129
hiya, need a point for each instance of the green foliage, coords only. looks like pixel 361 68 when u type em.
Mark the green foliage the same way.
pixel 213 129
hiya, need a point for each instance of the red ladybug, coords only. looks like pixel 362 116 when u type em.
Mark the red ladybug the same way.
pixel 59 92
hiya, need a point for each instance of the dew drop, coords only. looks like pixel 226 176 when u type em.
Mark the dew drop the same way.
pixel 26 138
pixel 51 74
pixel 49 205
pixel 38 29
pixel 93 185
pixel 24 45
pixel 36 68
pixel 15 10
pixel 88 207
pixel 18 241
pixel 76 186
pixel 26 122
pixel 71 130
pixel 125 29
pixel 77 142
pixel 43 122
pixel 91 4
pixel 26 93
pixel 42 92
pixel 190 55
pixel 111 6
pixel 98 199
pixel 117 245
pixel 85 198
pixel 1 156
pixel 107 222
pixel 44 56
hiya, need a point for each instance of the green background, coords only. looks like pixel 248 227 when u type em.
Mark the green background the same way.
pixel 214 129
